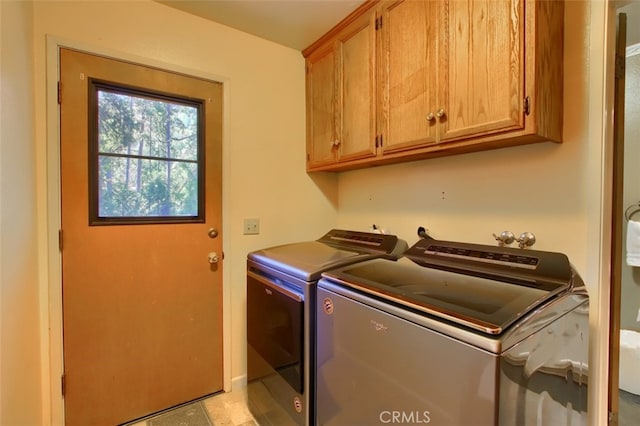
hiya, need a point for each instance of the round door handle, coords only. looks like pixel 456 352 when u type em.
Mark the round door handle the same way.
pixel 212 232
pixel 440 113
pixel 213 257
pixel 430 117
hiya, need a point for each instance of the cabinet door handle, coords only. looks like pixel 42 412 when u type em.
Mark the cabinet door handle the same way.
pixel 440 113
pixel 430 117
pixel 336 143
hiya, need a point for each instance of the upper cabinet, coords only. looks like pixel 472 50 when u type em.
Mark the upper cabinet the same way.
pixel 404 80
pixel 408 71
pixel 341 96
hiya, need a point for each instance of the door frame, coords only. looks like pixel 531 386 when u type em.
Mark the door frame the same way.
pixel 51 321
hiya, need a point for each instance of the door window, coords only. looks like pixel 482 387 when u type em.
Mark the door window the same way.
pixel 146 156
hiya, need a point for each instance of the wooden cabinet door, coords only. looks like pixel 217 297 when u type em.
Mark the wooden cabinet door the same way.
pixel 321 108
pixel 481 68
pixel 408 74
pixel 356 89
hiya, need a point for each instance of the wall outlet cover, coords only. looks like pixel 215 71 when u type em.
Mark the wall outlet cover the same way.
pixel 251 226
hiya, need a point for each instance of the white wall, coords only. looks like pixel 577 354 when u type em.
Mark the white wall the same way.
pixel 20 397
pixel 264 134
pixel 537 188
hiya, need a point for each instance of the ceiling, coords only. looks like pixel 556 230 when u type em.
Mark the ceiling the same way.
pixel 292 23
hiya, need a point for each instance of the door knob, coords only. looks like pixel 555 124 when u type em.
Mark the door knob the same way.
pixel 212 232
pixel 440 113
pixel 430 117
pixel 213 257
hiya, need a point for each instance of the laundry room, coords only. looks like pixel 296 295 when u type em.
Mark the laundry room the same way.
pixel 557 194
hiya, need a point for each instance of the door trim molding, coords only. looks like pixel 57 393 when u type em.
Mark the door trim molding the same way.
pixel 48 196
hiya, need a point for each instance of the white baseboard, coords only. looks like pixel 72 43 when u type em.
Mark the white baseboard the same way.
pixel 238 383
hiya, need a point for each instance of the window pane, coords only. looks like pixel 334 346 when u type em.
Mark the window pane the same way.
pixel 133 187
pixel 146 127
pixel 147 157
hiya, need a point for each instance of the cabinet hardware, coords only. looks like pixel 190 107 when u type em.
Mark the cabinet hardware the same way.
pixel 527 108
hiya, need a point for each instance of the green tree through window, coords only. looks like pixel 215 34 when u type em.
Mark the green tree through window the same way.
pixel 148 155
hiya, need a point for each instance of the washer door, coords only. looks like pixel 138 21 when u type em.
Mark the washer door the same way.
pixel 275 321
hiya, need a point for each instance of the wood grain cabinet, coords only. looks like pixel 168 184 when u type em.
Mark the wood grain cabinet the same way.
pixel 341 96
pixel 405 80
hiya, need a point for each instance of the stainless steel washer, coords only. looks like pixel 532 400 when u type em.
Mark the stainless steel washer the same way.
pixel 453 334
pixel 281 288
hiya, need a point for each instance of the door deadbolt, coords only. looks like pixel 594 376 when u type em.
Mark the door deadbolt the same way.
pixel 213 257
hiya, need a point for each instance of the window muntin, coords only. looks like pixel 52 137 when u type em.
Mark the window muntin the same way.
pixel 146 157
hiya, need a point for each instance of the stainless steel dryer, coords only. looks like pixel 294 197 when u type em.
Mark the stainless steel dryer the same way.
pixel 453 334
pixel 281 288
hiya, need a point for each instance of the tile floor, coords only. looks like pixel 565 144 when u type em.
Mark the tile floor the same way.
pixel 629 409
pixel 225 409
pixel 230 409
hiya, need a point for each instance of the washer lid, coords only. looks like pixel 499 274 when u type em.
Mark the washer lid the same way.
pixel 307 260
pixel 485 294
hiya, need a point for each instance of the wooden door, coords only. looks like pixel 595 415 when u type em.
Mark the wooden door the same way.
pixel 321 82
pixel 408 74
pixel 357 90
pixel 480 67
pixel 142 305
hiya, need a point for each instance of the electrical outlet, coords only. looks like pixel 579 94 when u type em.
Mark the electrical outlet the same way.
pixel 251 226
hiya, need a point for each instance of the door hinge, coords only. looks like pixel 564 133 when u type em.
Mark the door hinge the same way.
pixel 613 418
pixel 62 384
pixel 60 239
pixel 59 94
pixel 527 106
